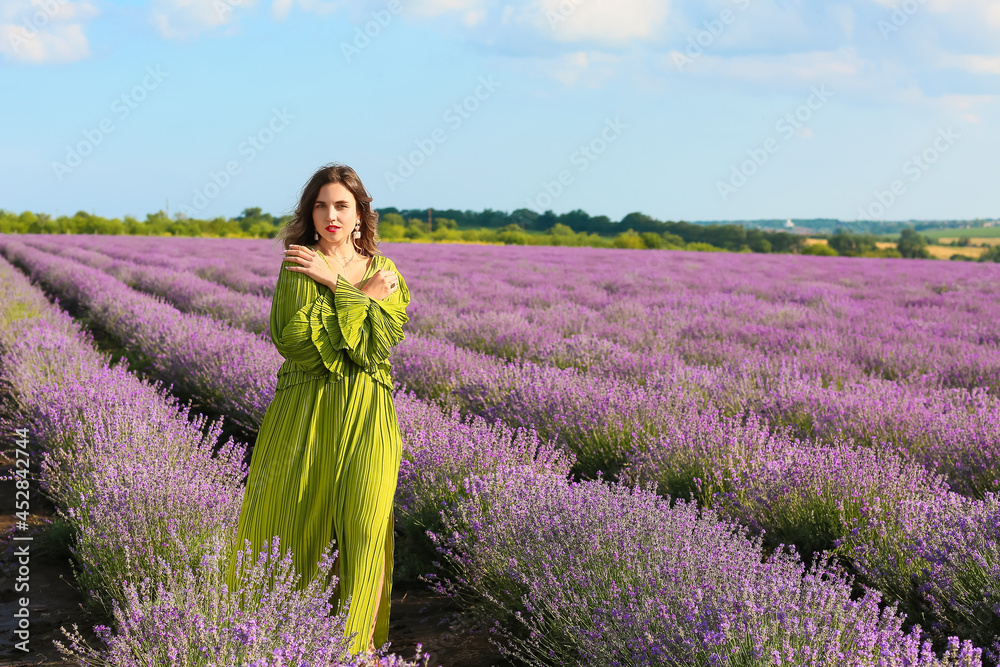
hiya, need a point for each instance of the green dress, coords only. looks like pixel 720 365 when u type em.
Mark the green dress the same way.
pixel 326 460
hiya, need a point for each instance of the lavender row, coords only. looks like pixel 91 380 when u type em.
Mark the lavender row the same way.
pixel 947 429
pixel 153 506
pixel 230 370
pixel 604 421
pixel 440 450
pixel 898 320
pixel 186 291
pixel 601 574
pixel 953 430
pixel 243 265
pixel 875 324
pixel 876 329
pixel 160 332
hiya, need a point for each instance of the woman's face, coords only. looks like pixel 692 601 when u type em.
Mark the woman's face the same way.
pixel 334 214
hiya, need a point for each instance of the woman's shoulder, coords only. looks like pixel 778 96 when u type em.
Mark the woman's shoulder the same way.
pixel 383 262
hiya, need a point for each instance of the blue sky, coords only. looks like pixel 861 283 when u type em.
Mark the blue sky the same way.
pixel 719 110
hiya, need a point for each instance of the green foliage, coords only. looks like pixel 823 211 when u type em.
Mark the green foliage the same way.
pixel 521 227
pixel 702 247
pixel 513 234
pixel 821 249
pixel 881 252
pixel 444 223
pixel 912 245
pixel 651 240
pixel 853 245
pixel 629 239
pixel 991 255
pixel 252 223
pixel 672 241
pixel 731 237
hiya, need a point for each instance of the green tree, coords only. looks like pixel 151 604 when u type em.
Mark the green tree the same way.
pixel 512 234
pixel 652 240
pixel 628 239
pixel 819 249
pixel 991 255
pixel 912 245
pixel 444 223
pixel 672 241
pixel 853 245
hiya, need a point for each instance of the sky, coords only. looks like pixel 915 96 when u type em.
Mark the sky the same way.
pixel 682 110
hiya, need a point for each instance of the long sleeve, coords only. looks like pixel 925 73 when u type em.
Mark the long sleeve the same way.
pixel 294 296
pixel 366 328
pixel 311 324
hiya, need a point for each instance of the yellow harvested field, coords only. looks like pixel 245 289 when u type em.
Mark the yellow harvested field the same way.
pixel 945 252
pixel 816 241
pixel 975 240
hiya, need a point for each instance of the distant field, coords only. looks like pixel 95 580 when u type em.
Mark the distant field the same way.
pixel 986 232
pixel 945 252
pixel 975 240
pixel 936 251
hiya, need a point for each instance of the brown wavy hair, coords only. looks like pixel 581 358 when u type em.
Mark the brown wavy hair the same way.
pixel 300 229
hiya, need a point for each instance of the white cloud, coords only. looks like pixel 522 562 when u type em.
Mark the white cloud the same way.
pixel 844 17
pixel 971 63
pixel 181 19
pixel 794 69
pixel 590 69
pixel 565 21
pixel 470 12
pixel 44 31
pixel 601 21
pixel 281 8
pixel 987 11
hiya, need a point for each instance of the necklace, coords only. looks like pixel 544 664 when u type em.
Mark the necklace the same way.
pixel 342 262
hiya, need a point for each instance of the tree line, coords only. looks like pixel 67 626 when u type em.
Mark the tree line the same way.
pixel 521 227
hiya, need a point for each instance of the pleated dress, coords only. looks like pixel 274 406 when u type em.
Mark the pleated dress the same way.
pixel 326 460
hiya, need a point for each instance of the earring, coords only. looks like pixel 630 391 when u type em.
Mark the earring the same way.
pixel 315 236
pixel 357 229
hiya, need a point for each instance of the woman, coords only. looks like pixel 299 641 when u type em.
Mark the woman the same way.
pixel 327 456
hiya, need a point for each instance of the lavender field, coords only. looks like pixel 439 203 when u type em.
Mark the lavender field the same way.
pixel 611 457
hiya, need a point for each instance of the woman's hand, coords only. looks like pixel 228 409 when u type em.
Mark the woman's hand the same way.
pixel 383 283
pixel 311 264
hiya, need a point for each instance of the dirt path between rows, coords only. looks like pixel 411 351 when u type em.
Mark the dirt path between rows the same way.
pixel 418 614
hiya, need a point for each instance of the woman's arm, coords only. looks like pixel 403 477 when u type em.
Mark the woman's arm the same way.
pixel 294 297
pixel 369 327
pixel 310 324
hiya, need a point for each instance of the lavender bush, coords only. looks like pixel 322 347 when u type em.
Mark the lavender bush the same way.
pixel 941 556
pixel 192 618
pixel 814 400
pixel 153 510
pixel 601 574
pixel 231 370
pixel 186 291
